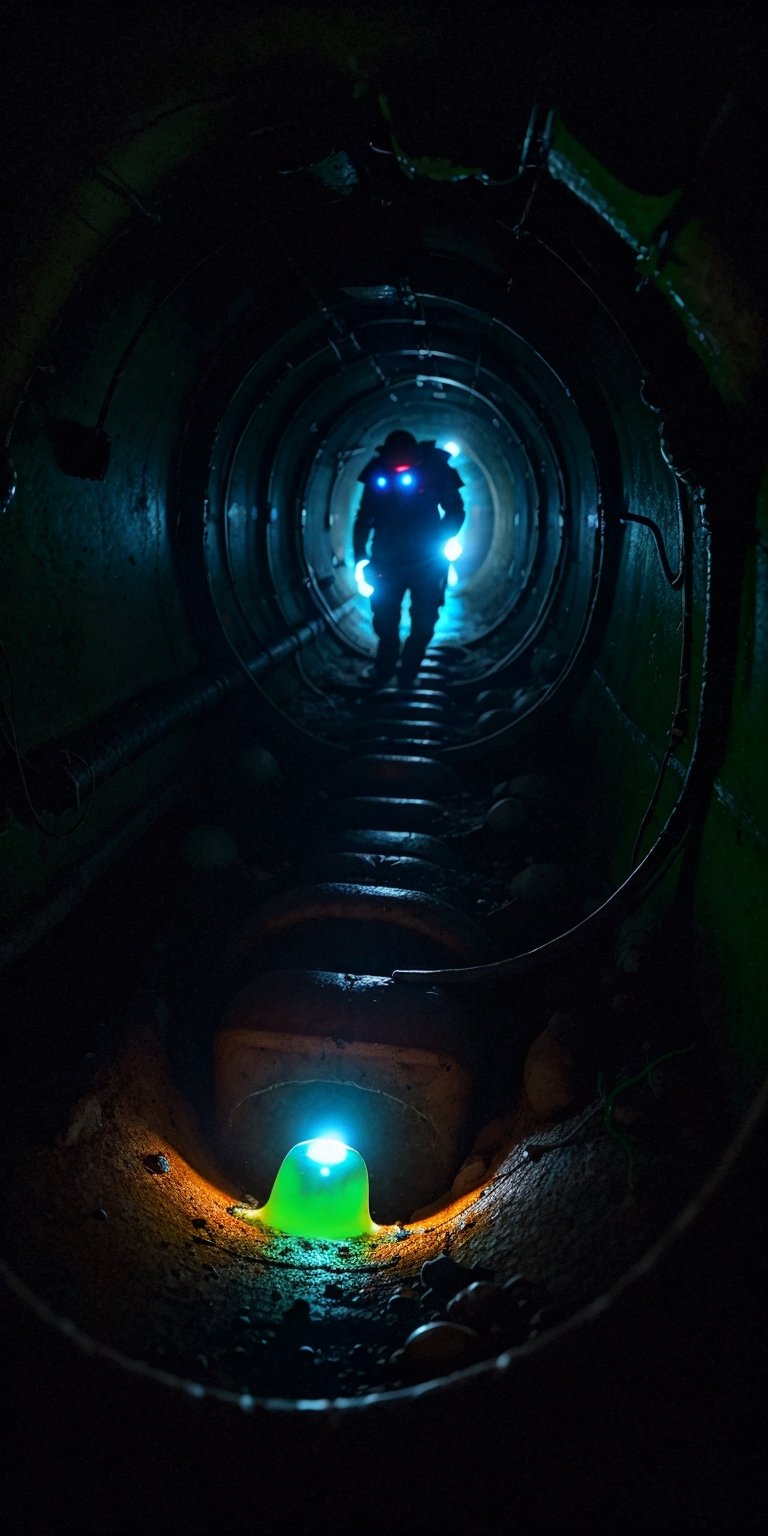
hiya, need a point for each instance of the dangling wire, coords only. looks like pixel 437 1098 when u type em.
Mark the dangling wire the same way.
pixel 679 726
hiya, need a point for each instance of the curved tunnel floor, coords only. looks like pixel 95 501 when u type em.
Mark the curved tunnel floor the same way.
pixel 331 675
pixel 579 1145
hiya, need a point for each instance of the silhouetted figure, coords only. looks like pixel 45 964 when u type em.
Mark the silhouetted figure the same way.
pixel 405 487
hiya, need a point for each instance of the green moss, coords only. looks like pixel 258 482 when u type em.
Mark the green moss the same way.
pixel 636 216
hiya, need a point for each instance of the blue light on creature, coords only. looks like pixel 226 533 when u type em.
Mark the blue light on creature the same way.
pixel 381 481
pixel 406 479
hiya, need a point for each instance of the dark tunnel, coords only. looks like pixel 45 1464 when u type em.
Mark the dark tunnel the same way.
pixel 500 932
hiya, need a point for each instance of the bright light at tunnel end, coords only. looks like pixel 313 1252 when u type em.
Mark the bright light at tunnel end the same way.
pixel 451 448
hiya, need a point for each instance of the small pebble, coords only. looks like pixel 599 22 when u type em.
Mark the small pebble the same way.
pixel 548 1317
pixel 445 1277
pixel 402 1301
pixel 157 1162
pixel 199 1221
pixel 481 1305
pixel 548 1076
pixel 100 1214
pixel 524 1285
pixel 507 816
pixel 469 1177
pixel 493 1136
pixel 297 1315
pixel 243 1320
pixel 86 1120
pixel 440 1342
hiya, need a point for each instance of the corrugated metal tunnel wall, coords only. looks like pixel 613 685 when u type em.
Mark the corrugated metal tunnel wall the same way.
pixel 205 215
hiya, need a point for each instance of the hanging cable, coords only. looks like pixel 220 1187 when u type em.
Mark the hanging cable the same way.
pixel 679 726
pixel 675 578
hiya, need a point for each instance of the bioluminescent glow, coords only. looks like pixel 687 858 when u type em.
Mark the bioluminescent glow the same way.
pixel 364 587
pixel 321 1190
pixel 451 448
pixel 381 481
pixel 453 576
pixel 327 1149
pixel 407 478
pixel 453 548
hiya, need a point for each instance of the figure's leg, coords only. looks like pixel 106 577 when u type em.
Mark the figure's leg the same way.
pixel 386 603
pixel 427 591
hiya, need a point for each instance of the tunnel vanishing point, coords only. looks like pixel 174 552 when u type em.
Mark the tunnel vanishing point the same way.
pixel 504 932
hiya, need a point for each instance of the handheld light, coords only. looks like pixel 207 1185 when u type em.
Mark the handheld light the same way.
pixel 452 548
pixel 321 1190
pixel 364 587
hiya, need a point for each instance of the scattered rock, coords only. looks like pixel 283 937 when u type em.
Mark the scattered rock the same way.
pixel 536 791
pixel 493 698
pixel 493 720
pixel 298 1314
pixel 157 1162
pixel 100 1214
pixel 469 1176
pixel 507 816
pixel 84 1123
pixel 549 1076
pixel 524 1289
pixel 402 1300
pixel 258 767
pixel 243 1320
pixel 444 1277
pixel 480 1305
pixel 546 663
pixel 548 1317
pixel 440 1344
pixel 543 886
pixel 493 1136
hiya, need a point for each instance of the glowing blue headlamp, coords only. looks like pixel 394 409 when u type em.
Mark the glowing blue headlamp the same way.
pixel 402 479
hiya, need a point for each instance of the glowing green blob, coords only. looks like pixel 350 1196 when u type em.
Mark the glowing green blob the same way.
pixel 321 1190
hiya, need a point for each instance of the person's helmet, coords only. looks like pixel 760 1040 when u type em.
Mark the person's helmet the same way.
pixel 399 447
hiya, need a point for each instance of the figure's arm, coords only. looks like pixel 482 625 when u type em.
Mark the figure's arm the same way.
pixel 451 502
pixel 361 531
